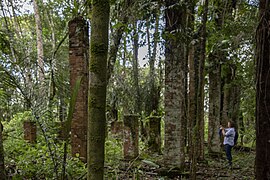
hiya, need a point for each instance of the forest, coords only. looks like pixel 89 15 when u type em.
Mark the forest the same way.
pixel 134 89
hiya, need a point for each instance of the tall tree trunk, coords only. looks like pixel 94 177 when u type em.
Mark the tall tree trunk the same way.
pixel 235 103
pixel 135 66
pixel 2 162
pixel 215 59
pixel 228 71
pixel 153 96
pixel 40 53
pixel 190 83
pixel 197 85
pixel 78 60
pixel 125 55
pixel 227 91
pixel 174 155
pixel 192 99
pixel 62 109
pixel 117 36
pixel 52 84
pixel 263 93
pixel 214 104
pixel 18 29
pixel 241 128
pixel 97 89
pixel 201 82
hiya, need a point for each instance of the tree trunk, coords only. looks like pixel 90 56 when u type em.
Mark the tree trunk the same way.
pixel 117 36
pixel 190 83
pixel 2 162
pixel 137 108
pixel 226 94
pixel 52 84
pixel 153 97
pixel 197 64
pixel 215 58
pixel 78 60
pixel 263 93
pixel 201 82
pixel 241 128
pixel 62 109
pixel 192 100
pixel 231 94
pixel 40 55
pixel 174 155
pixel 214 105
pixel 235 103
pixel 97 89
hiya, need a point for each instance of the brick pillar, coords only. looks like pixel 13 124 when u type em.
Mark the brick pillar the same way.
pixel 116 127
pixel 131 136
pixel 30 131
pixel 78 61
pixel 154 141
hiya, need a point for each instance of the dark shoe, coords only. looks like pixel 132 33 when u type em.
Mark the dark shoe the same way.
pixel 228 166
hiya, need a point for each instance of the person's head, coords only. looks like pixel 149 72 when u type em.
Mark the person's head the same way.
pixel 231 124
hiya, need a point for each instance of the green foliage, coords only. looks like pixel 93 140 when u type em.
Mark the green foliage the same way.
pixel 4 43
pixel 113 150
pixel 33 160
pixel 72 104
pixel 14 127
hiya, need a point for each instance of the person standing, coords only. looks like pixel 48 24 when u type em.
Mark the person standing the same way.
pixel 229 134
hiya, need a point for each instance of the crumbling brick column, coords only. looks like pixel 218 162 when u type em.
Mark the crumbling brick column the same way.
pixel 30 131
pixel 78 61
pixel 154 139
pixel 131 136
pixel 116 127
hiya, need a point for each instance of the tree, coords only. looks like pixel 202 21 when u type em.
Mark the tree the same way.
pixel 97 88
pixel 215 58
pixel 196 60
pixel 2 162
pixel 40 54
pixel 135 68
pixel 153 95
pixel 117 35
pixel 174 155
pixel 197 64
pixel 263 93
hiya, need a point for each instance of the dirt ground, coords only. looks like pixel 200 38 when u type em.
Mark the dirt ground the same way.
pixel 210 169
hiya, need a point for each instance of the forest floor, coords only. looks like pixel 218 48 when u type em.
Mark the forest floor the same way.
pixel 211 169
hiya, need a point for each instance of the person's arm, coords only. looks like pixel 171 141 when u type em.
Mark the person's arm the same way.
pixel 222 130
pixel 229 132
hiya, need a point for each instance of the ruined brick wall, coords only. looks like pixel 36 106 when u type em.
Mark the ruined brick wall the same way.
pixel 30 131
pixel 131 136
pixel 78 61
pixel 154 139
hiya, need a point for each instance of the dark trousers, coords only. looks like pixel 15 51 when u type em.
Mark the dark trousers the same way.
pixel 228 150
